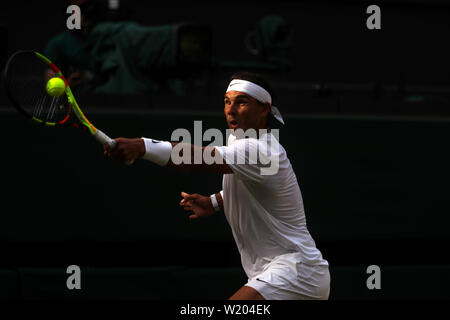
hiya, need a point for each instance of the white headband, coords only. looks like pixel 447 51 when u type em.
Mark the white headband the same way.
pixel 257 92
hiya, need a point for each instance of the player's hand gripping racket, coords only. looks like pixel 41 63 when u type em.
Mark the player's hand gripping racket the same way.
pixel 26 78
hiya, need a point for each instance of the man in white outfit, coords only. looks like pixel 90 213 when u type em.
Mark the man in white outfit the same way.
pixel 261 201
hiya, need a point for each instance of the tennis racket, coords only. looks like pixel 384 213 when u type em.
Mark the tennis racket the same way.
pixel 26 75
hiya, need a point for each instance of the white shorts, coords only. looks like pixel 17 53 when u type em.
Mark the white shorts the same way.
pixel 287 278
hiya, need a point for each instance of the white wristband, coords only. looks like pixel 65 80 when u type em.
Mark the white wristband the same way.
pixel 215 203
pixel 157 151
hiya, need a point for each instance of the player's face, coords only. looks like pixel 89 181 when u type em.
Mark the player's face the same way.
pixel 244 112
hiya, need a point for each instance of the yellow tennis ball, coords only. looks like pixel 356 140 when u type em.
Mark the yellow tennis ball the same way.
pixel 56 87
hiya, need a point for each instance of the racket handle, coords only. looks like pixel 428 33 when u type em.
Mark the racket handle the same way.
pixel 104 139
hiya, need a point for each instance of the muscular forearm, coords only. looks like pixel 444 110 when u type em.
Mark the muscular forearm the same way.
pixel 178 156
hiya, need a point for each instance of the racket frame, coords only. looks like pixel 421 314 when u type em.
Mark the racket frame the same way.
pixel 73 104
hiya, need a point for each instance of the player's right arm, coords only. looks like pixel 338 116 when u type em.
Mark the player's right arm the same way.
pixel 191 165
pixel 127 150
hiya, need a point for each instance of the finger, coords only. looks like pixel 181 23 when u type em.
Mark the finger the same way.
pixel 188 197
pixel 184 202
pixel 184 194
pixel 193 216
pixel 187 204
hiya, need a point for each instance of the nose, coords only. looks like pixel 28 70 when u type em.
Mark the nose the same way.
pixel 230 109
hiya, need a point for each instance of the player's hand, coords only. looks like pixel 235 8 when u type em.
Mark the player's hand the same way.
pixel 126 150
pixel 200 205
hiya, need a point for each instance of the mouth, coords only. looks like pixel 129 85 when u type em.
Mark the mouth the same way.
pixel 233 124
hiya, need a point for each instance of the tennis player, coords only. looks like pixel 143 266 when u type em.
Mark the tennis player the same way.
pixel 265 211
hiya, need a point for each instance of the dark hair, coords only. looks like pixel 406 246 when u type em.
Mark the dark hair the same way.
pixel 258 79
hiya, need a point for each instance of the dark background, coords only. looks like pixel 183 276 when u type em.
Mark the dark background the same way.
pixel 367 124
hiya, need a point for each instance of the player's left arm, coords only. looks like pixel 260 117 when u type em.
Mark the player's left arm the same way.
pixel 132 149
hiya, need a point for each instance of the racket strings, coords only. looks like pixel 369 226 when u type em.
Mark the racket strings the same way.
pixel 38 107
pixel 53 107
pixel 27 79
